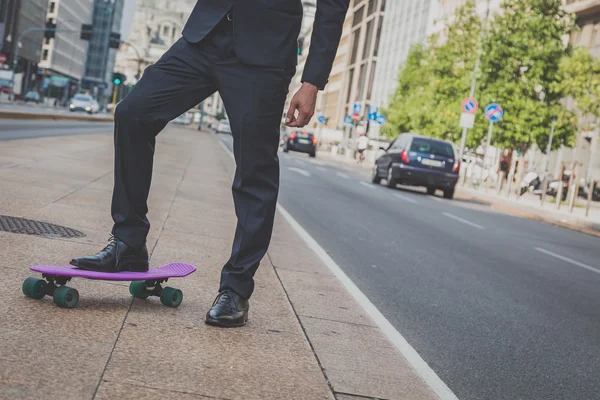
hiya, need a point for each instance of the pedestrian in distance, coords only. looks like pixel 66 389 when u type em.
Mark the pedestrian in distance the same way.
pixel 247 51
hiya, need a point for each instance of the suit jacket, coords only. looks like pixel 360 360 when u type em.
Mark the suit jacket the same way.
pixel 266 32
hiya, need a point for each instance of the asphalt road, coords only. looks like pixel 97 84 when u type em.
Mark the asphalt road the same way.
pixel 500 307
pixel 23 129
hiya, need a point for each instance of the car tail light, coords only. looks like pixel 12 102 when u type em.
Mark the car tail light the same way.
pixel 456 166
pixel 404 156
pixel 314 140
pixel 293 135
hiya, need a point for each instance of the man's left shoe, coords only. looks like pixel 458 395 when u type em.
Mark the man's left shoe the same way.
pixel 229 310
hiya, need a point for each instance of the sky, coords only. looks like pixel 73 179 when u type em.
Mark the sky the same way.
pixel 127 20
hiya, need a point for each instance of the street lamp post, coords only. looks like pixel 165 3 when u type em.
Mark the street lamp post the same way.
pixel 547 159
pixel 463 139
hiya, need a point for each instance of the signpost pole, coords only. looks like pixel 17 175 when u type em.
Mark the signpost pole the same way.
pixel 485 151
pixel 547 161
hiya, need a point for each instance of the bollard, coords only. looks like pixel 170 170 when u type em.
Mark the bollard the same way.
pixel 589 198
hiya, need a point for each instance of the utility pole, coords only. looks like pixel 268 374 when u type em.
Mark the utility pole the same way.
pixel 463 140
pixel 547 159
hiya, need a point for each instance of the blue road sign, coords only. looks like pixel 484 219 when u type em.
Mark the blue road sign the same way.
pixel 356 108
pixel 347 119
pixel 493 112
pixel 469 105
pixel 381 119
pixel 321 119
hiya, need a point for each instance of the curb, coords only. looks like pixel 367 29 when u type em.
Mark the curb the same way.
pixel 519 212
pixel 49 116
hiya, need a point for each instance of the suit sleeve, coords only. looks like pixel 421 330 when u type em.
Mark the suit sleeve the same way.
pixel 325 39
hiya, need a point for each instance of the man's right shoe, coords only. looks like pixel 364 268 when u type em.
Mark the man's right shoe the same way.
pixel 117 256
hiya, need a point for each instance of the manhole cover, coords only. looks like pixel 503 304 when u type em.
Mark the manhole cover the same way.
pixel 38 228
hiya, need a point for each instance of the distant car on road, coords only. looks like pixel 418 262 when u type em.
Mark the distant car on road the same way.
pixel 419 161
pixel 32 96
pixel 224 127
pixel 5 86
pixel 83 102
pixel 301 141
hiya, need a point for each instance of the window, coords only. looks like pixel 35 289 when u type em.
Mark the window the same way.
pixel 382 5
pixel 165 30
pixel 350 79
pixel 47 41
pixel 428 146
pixel 376 50
pixel 358 16
pixel 372 6
pixel 355 46
pixel 595 36
pixel 368 37
pixel 45 55
pixel 52 8
pixel 371 79
pixel 361 82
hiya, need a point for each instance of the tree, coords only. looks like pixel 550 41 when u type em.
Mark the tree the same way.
pixel 580 80
pixel 408 109
pixel 521 58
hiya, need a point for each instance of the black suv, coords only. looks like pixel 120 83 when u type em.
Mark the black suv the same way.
pixel 419 161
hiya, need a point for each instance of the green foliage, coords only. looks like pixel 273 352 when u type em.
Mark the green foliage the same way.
pixel 521 58
pixel 524 65
pixel 580 80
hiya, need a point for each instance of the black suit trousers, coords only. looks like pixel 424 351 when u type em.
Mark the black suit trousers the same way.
pixel 253 97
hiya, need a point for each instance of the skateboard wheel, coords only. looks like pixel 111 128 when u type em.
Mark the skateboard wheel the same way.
pixel 66 297
pixel 171 297
pixel 34 288
pixel 139 290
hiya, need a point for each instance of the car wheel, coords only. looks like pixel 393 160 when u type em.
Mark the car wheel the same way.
pixel 375 178
pixel 391 182
pixel 286 149
pixel 430 191
pixel 312 155
pixel 449 194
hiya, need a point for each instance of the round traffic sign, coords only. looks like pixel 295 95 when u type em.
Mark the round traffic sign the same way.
pixel 493 112
pixel 469 105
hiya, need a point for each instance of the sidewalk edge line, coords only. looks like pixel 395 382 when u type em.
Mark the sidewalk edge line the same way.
pixel 420 366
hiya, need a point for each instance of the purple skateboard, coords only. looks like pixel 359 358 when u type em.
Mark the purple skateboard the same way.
pixel 143 284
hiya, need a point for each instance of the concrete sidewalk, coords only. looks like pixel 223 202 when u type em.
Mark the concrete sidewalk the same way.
pixel 306 338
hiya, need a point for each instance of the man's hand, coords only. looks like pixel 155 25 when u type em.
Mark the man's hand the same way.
pixel 304 101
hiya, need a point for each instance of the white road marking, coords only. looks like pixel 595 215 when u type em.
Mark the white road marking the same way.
pixel 369 185
pixel 300 171
pixel 566 259
pixel 411 355
pixel 442 391
pixel 464 221
pixel 321 168
pixel 405 198
pixel 341 175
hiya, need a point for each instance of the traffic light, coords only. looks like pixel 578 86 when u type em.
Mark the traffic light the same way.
pixel 86 32
pixel 115 40
pixel 118 78
pixel 50 31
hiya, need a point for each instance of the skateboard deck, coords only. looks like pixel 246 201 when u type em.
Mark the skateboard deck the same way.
pixel 143 284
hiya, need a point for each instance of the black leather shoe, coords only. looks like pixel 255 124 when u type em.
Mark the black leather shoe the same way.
pixel 115 257
pixel 229 310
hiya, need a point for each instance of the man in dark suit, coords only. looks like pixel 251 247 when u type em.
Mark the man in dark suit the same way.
pixel 247 51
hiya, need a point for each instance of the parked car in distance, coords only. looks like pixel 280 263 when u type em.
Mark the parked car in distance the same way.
pixel 301 141
pixel 223 126
pixel 32 96
pixel 83 102
pixel 5 86
pixel 419 161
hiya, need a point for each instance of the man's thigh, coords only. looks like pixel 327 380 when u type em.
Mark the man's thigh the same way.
pixel 254 98
pixel 180 80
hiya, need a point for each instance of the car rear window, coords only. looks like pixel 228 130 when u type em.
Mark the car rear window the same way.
pixel 304 135
pixel 421 145
pixel 83 97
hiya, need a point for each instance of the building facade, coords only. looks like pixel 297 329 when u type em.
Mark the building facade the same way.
pixel 16 17
pixel 63 57
pixel 100 59
pixel 157 25
pixel 588 143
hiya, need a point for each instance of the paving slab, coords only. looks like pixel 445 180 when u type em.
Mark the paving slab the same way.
pixel 359 360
